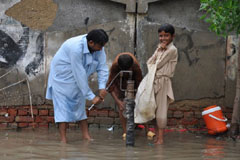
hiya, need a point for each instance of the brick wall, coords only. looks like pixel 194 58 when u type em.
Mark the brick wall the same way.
pixel 43 116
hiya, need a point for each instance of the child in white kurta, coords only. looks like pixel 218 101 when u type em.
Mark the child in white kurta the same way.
pixel 165 57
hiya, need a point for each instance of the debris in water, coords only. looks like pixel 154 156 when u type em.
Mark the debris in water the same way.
pixel 6 114
pixel 111 128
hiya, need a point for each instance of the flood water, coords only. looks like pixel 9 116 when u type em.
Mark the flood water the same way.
pixel 43 144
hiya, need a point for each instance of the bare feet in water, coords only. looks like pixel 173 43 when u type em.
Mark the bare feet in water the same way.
pixel 87 137
pixel 158 141
pixel 64 140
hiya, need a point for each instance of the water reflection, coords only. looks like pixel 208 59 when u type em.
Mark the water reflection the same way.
pixel 214 149
pixel 63 151
pixel 44 144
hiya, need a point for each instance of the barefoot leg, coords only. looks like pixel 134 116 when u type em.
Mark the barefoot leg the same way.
pixel 156 132
pixel 62 131
pixel 160 137
pixel 84 128
pixel 123 121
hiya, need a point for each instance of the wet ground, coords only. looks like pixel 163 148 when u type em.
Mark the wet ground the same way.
pixel 43 144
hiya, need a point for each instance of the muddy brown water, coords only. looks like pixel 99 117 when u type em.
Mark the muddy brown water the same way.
pixel 43 144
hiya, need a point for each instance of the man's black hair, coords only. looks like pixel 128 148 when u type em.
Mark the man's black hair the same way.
pixel 125 62
pixel 98 36
pixel 168 28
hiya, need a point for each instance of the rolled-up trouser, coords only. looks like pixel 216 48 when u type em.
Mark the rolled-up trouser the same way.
pixel 162 102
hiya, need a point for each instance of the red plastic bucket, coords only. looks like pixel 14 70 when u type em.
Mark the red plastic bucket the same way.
pixel 214 119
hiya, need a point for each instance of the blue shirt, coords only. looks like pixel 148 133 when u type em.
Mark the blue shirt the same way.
pixel 71 67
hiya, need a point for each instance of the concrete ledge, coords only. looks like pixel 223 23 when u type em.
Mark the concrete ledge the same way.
pixel 143 5
pixel 130 5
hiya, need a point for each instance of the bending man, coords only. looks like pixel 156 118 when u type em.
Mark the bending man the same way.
pixel 74 62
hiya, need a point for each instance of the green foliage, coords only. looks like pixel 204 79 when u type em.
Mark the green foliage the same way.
pixel 222 15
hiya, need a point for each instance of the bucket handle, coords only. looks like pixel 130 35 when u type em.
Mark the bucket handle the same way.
pixel 223 120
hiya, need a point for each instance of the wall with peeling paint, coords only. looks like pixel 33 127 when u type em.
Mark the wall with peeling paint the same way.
pixel 21 59
pixel 231 67
pixel 31 31
pixel 44 25
pixel 200 72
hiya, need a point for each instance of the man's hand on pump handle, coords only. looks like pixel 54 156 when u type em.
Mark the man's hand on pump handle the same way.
pixel 99 99
pixel 102 93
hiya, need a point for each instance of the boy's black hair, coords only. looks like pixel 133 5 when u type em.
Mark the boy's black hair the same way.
pixel 125 62
pixel 168 28
pixel 98 36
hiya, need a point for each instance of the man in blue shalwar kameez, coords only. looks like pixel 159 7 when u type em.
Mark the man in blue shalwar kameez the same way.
pixel 74 62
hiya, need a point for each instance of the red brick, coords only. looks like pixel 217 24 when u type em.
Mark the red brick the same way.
pixel 51 112
pixel 188 114
pixel 33 125
pixel 43 125
pixel 172 122
pixel 7 119
pixel 178 114
pixel 35 112
pixel 170 114
pixel 24 119
pixel 172 107
pixel 113 114
pixel 22 112
pixel 185 108
pixel 43 112
pixel 201 122
pixel 12 112
pixel 3 112
pixel 198 114
pixel 41 119
pixel 50 119
pixel 102 113
pixel 92 113
pixel 103 120
pixel 192 121
pixel 22 125
pixel 90 119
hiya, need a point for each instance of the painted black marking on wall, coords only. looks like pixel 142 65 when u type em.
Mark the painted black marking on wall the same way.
pixel 11 51
pixel 184 46
pixel 233 51
pixel 32 67
pixel 110 31
pixel 86 21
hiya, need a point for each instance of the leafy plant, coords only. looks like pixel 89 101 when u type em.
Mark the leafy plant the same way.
pixel 224 19
pixel 222 15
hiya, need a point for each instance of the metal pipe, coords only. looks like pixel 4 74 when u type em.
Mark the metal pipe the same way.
pixel 130 104
pixel 106 88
